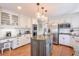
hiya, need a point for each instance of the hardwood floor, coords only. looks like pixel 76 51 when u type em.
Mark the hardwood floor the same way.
pixel 58 50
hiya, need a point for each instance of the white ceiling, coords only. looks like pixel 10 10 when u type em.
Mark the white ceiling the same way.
pixel 54 9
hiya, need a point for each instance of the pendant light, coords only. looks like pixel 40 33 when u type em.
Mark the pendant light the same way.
pixel 45 12
pixel 42 14
pixel 38 6
pixel 46 15
pixel 38 11
pixel 42 10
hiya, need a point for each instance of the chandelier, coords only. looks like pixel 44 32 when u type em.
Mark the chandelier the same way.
pixel 41 14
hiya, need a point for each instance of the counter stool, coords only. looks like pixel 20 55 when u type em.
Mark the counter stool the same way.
pixel 5 45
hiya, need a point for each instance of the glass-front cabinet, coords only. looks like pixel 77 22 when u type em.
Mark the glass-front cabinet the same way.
pixel 14 20
pixel 7 18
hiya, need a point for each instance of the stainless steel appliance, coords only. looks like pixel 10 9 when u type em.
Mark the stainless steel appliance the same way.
pixel 34 30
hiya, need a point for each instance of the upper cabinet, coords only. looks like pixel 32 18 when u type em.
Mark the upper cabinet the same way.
pixel 7 18
pixel 14 20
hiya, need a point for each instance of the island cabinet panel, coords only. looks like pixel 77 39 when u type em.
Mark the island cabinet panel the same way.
pixel 34 47
pixel 41 47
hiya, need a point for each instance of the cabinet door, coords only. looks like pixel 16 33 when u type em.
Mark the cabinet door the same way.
pixel 61 39
pixel 21 39
pixel 14 20
pixel 5 18
pixel 14 43
pixel 18 42
pixel 64 39
pixel 28 39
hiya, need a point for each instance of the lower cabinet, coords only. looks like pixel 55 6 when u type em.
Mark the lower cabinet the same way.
pixel 75 45
pixel 65 39
pixel 25 39
pixel 20 41
pixel 15 43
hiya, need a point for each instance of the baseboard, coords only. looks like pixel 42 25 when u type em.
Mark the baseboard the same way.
pixel 66 46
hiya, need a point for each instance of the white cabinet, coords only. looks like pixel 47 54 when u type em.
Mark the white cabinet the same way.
pixel 15 43
pixel 61 39
pixel 28 39
pixel 75 45
pixel 75 42
pixel 20 41
pixel 14 19
pixel 7 18
pixel 25 39
pixel 65 39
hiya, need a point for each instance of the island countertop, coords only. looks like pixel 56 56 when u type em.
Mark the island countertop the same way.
pixel 41 37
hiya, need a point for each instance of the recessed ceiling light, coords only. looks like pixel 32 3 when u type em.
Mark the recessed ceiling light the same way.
pixel 19 7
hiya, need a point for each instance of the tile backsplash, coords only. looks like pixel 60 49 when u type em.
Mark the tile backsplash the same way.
pixel 3 32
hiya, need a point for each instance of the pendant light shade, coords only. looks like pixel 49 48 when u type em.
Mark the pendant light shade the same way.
pixel 45 10
pixel 38 4
pixel 42 7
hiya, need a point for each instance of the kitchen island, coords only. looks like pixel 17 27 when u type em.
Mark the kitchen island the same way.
pixel 41 46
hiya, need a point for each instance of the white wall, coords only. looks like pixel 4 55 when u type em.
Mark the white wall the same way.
pixel 3 31
pixel 24 21
pixel 73 19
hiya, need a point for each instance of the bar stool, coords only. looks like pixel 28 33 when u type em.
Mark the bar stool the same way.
pixel 5 45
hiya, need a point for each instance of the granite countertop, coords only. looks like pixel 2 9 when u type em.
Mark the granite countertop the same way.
pixel 9 38
pixel 75 35
pixel 70 34
pixel 40 37
pixel 13 37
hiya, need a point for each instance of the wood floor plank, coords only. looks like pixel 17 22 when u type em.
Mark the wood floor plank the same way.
pixel 58 50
